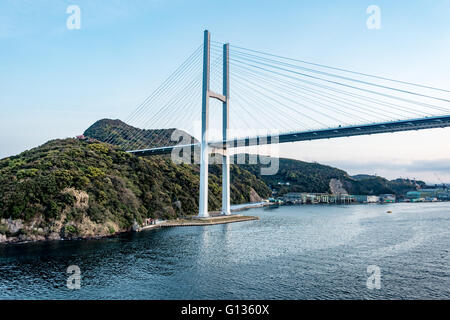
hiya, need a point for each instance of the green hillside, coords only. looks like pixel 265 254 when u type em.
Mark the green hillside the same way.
pixel 300 176
pixel 86 188
pixel 292 176
pixel 128 137
pixel 74 188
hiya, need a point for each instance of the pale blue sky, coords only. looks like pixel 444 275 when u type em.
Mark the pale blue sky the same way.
pixel 55 82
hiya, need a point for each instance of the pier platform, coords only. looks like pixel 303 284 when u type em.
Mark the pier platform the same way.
pixel 196 221
pixel 212 220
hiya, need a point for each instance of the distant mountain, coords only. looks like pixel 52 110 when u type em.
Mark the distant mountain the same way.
pixel 377 185
pixel 300 176
pixel 360 177
pixel 119 133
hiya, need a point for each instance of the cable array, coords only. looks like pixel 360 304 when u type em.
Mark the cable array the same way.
pixel 292 95
pixel 269 93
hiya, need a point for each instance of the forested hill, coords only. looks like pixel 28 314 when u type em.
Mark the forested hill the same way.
pixel 300 176
pixel 292 176
pixel 83 188
pixel 128 137
pixel 86 188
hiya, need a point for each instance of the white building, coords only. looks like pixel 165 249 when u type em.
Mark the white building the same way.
pixel 373 199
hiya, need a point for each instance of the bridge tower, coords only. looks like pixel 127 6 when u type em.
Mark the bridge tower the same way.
pixel 205 149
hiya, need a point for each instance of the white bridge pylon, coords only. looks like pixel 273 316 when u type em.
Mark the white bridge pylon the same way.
pixel 416 115
pixel 205 149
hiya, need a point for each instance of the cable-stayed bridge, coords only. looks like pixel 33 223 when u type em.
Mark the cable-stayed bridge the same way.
pixel 298 99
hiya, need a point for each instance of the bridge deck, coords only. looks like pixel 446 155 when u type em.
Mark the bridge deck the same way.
pixel 367 129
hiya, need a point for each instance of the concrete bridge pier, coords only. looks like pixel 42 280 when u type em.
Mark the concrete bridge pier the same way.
pixel 205 149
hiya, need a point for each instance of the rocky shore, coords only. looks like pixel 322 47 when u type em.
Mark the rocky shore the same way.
pixel 17 231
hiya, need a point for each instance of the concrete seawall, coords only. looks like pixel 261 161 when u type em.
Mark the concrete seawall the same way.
pixel 215 218
pixel 195 221
pixel 207 221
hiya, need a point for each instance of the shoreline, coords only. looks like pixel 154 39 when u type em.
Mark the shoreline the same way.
pixel 241 207
pixel 214 219
pixel 210 221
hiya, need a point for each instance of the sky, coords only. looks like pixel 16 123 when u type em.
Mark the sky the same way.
pixel 56 82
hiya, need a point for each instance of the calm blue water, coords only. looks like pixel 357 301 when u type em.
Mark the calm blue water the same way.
pixel 293 252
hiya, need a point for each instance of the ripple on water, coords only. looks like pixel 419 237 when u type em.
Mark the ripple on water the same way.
pixel 298 252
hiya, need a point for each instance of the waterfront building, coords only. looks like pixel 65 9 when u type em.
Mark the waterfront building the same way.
pixel 315 198
pixel 346 198
pixel 324 198
pixel 360 198
pixel 293 196
pixel 429 195
pixel 366 199
pixel 413 195
pixel 303 198
pixel 387 198
pixel 443 196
